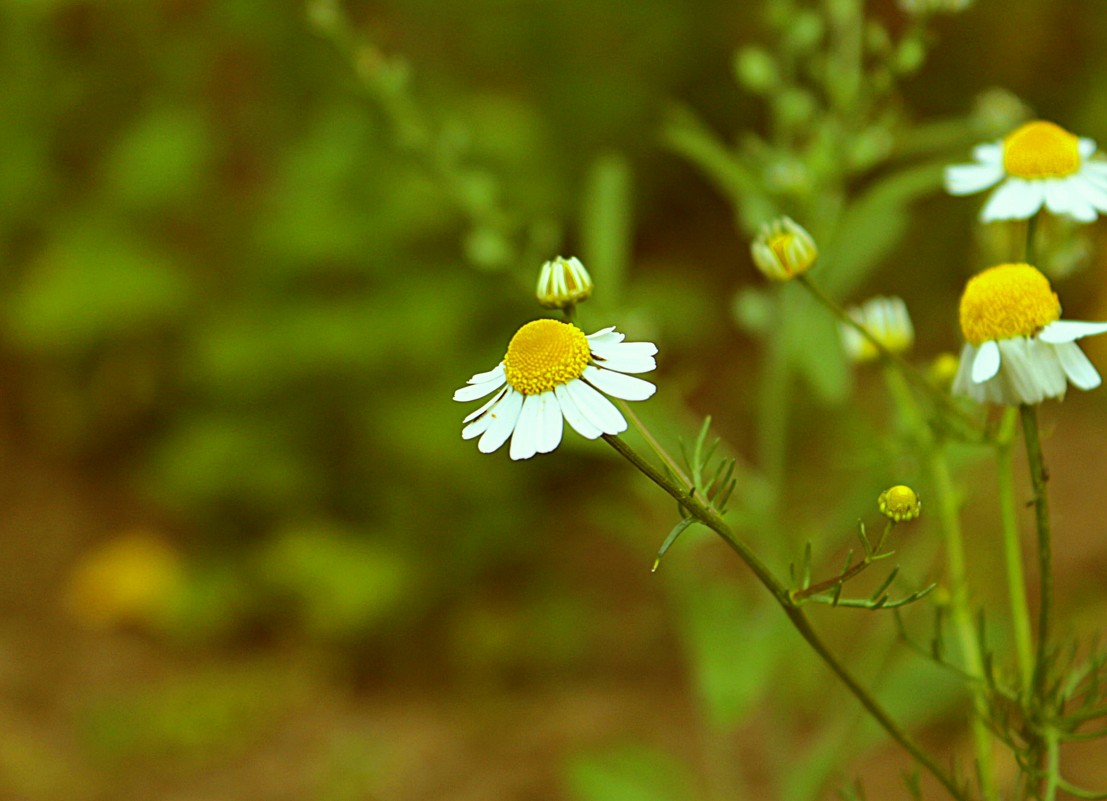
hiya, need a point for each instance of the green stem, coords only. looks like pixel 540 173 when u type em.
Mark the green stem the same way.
pixel 780 593
pixel 1031 229
pixel 1012 549
pixel 1038 479
pixel 1053 765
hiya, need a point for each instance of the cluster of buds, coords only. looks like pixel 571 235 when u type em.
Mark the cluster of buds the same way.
pixel 563 283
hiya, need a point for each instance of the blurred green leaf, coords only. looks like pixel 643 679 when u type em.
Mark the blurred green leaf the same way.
pixel 607 225
pixel 632 773
pixel 163 158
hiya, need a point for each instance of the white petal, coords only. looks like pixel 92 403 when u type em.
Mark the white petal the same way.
pixel 489 404
pixel 618 385
pixel 471 392
pixel 1096 172
pixel 1015 199
pixel 1032 370
pixel 1092 192
pixel 550 422
pixel 604 337
pixel 480 420
pixel 1063 197
pixel 989 153
pixel 583 426
pixel 967 179
pixel 1086 147
pixel 524 442
pixel 627 357
pixel 503 420
pixel 599 410
pixel 495 372
pixel 986 362
pixel 1080 371
pixel 962 382
pixel 1070 330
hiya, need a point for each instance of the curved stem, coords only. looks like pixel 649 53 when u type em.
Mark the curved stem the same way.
pixel 799 620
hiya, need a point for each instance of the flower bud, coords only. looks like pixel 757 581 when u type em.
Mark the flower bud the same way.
pixel 888 322
pixel 783 249
pixel 900 503
pixel 562 283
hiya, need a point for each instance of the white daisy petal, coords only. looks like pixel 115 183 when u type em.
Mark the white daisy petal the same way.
pixel 618 385
pixel 1060 331
pixel 1065 197
pixel 495 372
pixel 503 419
pixel 524 440
pixel 1077 367
pixel 985 363
pixel 581 424
pixel 1086 147
pixel 550 422
pixel 628 357
pixel 1015 199
pixel 605 337
pixel 491 402
pixel 471 392
pixel 1095 194
pixel 599 410
pixel 990 153
pixel 967 179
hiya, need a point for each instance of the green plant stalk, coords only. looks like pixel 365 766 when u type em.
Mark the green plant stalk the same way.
pixel 1012 550
pixel 795 615
pixel 1029 415
pixel 950 520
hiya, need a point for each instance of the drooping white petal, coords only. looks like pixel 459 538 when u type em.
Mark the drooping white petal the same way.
pixel 1064 197
pixel 1031 370
pixel 1092 192
pixel 1015 199
pixel 618 385
pixel 599 410
pixel 550 423
pixel 470 392
pixel 503 419
pixel 480 420
pixel 985 363
pixel 489 404
pixel 1070 330
pixel 1085 147
pixel 1078 368
pixel 524 440
pixel 581 424
pixel 967 179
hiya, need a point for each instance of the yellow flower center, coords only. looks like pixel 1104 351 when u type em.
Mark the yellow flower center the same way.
pixel 1007 301
pixel 544 354
pixel 1041 150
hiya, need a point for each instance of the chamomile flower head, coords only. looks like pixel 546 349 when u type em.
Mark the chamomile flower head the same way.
pixel 888 322
pixel 563 283
pixel 1038 164
pixel 899 503
pixel 1017 348
pixel 783 249
pixel 550 373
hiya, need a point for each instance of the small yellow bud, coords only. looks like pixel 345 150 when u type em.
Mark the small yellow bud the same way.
pixel 900 503
pixel 783 249
pixel 943 369
pixel 562 283
pixel 887 320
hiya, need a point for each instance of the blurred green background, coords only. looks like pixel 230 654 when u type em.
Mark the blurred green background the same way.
pixel 246 553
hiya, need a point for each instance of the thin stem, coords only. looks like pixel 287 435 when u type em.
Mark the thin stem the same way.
pixel 655 446
pixel 1012 550
pixel 849 572
pixel 1038 478
pixel 799 620
pixel 1053 765
pixel 1031 229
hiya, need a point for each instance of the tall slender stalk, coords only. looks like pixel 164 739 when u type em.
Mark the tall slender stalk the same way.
pixel 1038 478
pixel 708 517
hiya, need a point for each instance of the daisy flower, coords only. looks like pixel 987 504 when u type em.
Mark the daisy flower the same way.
pixel 552 371
pixel 888 322
pixel 1040 163
pixel 1018 350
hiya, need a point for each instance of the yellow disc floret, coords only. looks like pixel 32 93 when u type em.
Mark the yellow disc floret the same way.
pixel 544 354
pixel 1041 150
pixel 1007 301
